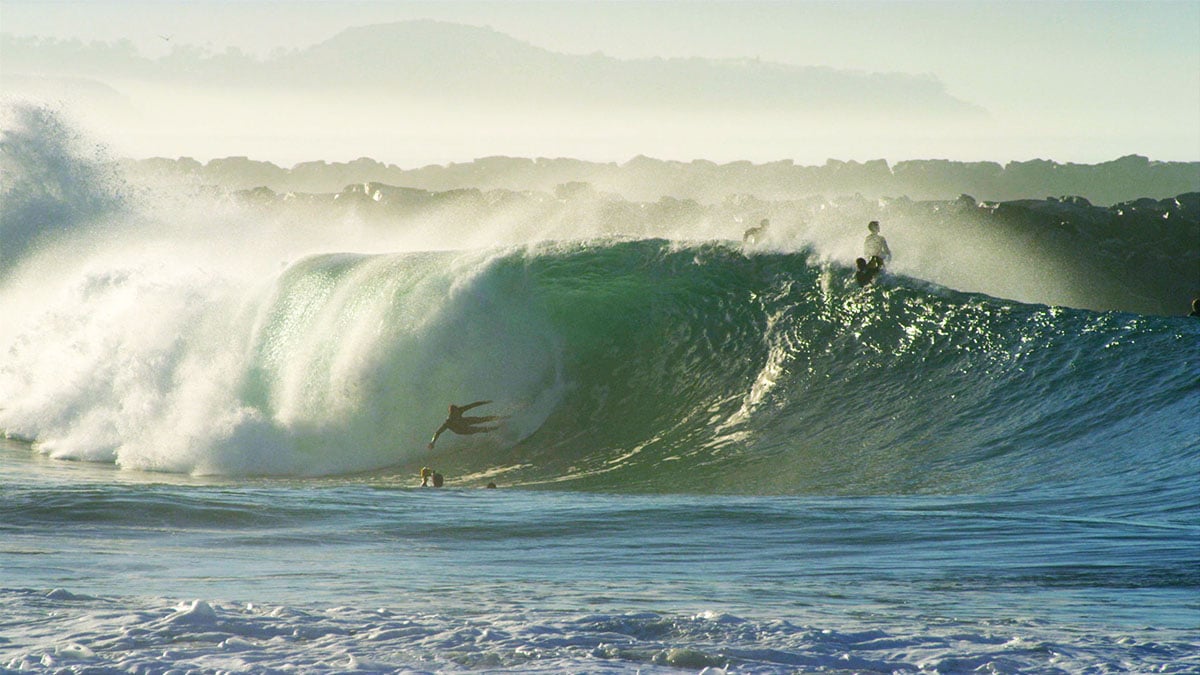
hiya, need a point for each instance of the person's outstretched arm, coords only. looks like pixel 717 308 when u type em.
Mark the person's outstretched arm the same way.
pixel 436 434
pixel 476 404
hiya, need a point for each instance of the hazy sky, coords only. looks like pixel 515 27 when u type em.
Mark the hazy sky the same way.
pixel 1073 81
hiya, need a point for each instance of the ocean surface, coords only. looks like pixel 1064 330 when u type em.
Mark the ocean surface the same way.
pixel 717 458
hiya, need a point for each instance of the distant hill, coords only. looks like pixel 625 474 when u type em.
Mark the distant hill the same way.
pixel 426 56
pixel 474 65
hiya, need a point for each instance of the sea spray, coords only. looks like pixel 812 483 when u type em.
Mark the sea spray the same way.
pixel 53 181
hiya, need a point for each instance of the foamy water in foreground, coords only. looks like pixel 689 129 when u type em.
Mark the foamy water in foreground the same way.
pixel 103 570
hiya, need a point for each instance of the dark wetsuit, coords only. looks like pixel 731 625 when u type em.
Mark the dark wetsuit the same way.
pixel 867 271
pixel 465 425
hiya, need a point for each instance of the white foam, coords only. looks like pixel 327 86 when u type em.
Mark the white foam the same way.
pixel 139 351
pixel 149 634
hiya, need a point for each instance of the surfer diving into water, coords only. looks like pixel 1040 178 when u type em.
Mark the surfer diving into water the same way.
pixel 466 425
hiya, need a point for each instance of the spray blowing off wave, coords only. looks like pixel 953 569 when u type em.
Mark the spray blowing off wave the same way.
pixel 51 185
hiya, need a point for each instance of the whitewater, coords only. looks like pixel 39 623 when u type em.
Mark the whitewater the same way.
pixel 717 457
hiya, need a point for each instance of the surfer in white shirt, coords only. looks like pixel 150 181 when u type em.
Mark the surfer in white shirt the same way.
pixel 876 246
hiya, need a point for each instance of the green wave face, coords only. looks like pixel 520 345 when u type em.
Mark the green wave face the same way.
pixel 651 366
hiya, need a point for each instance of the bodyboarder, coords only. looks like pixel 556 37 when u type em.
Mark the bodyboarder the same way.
pixel 866 272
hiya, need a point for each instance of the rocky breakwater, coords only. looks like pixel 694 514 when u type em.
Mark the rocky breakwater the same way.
pixel 1139 256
